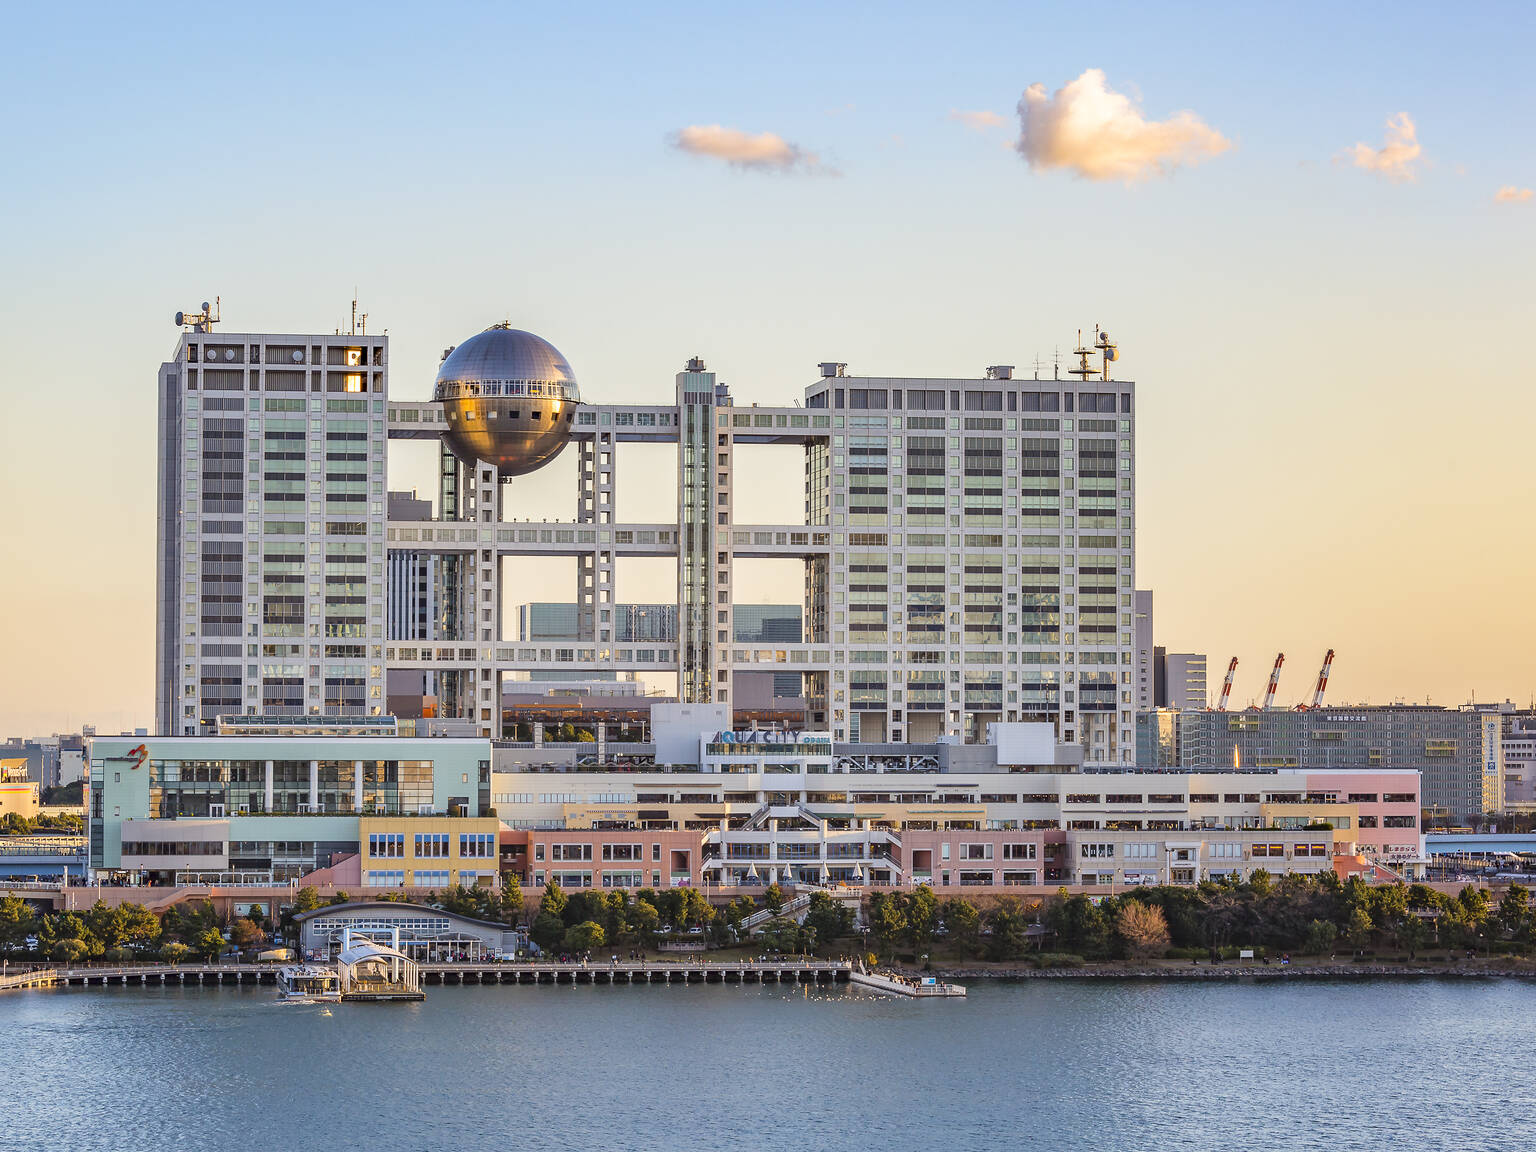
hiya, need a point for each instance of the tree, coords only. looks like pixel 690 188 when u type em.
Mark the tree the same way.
pixel 1009 930
pixel 1321 937
pixel 1078 924
pixel 209 943
pixel 1358 931
pixel 138 925
pixel 887 919
pixel 696 910
pixel 1412 932
pixel 773 898
pixel 830 919
pixel 553 901
pixel 245 934
pixel 1143 928
pixel 644 918
pixel 547 931
pixel 585 936
pixel 17 922
pixel 511 897
pixel 1514 914
pixel 306 899
pixel 174 952
pixel 962 925
pixel 71 951
pixel 922 917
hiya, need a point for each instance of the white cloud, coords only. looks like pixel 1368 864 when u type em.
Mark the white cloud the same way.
pixel 1509 194
pixel 980 121
pixel 763 152
pixel 1398 157
pixel 1102 135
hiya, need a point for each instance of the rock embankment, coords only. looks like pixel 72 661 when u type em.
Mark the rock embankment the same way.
pixel 1234 972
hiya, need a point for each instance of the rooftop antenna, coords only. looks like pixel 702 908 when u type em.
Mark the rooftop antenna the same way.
pixel 1058 361
pixel 202 320
pixel 1038 366
pixel 1082 352
pixel 1109 351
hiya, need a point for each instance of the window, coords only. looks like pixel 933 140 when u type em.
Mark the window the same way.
pixel 1397 821
pixel 383 879
pixel 477 845
pixel 975 851
pixel 431 845
pixel 1097 851
pixel 571 852
pixel 390 845
pixel 431 878
pixel 1019 851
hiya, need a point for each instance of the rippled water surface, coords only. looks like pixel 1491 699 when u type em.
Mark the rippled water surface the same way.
pixel 1046 1064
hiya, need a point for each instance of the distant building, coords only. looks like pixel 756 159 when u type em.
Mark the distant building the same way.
pixel 1146 655
pixel 1182 680
pixel 1457 751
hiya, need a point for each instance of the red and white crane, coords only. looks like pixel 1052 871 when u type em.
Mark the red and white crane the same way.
pixel 1322 684
pixel 1274 682
pixel 1226 686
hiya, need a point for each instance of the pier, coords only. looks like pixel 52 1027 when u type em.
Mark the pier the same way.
pixel 905 987
pixel 621 972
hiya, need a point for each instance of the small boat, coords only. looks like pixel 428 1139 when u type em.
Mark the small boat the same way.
pixel 308 984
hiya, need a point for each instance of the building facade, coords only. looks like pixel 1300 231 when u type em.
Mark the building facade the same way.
pixel 1457 751
pixel 271 496
pixel 967 546
pixel 281 806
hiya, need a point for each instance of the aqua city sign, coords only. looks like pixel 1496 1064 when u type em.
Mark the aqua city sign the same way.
pixel 757 737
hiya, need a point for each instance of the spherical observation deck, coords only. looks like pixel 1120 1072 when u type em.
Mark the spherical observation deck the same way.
pixel 509 397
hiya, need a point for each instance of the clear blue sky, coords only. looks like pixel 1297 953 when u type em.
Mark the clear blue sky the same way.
pixel 1302 331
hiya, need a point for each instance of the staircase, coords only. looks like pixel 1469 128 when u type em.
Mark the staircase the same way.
pixel 793 909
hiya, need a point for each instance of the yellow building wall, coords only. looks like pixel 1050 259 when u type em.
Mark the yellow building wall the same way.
pixel 410 827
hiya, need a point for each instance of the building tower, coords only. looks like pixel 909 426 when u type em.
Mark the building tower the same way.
pixel 271 515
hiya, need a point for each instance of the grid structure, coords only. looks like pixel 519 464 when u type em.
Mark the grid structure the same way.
pixel 968 552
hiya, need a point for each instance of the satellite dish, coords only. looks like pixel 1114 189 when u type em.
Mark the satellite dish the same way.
pixel 298 357
pixel 205 305
pixel 179 320
pixel 1114 354
pixel 229 353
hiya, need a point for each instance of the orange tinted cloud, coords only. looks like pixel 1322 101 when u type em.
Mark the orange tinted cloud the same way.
pixel 1099 134
pixel 1397 158
pixel 764 151
pixel 1509 194
pixel 980 121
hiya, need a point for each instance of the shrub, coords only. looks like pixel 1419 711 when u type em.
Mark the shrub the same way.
pixel 1056 960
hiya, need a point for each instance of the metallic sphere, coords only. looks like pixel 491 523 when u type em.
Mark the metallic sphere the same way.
pixel 509 398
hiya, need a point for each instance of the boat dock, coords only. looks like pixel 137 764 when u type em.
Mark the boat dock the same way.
pixel 927 986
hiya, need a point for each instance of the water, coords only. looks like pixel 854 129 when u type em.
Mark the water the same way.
pixel 1048 1064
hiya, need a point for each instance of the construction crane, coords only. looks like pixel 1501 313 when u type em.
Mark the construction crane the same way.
pixel 1322 686
pixel 1226 686
pixel 1274 682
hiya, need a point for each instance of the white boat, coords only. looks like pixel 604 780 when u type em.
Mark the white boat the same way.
pixel 308 984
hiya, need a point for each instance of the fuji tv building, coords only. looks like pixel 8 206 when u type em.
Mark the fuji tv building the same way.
pixel 966 543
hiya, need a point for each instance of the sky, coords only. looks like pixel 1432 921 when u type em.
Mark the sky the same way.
pixel 1309 229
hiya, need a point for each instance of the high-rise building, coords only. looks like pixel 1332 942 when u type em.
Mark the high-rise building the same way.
pixel 1182 676
pixel 1148 659
pixel 270 570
